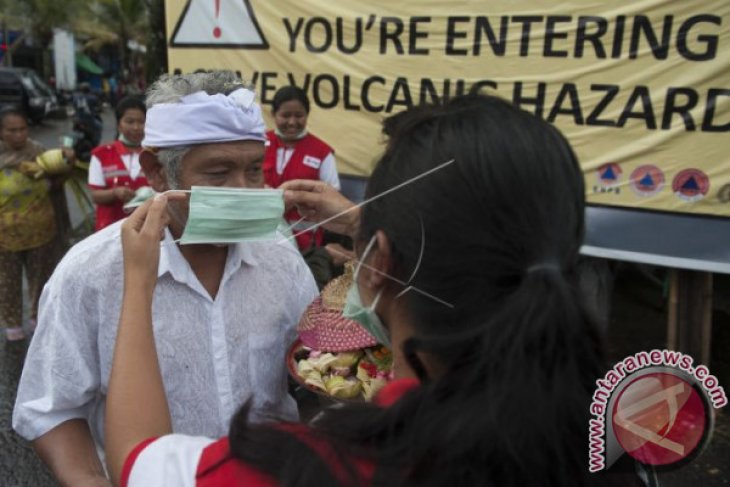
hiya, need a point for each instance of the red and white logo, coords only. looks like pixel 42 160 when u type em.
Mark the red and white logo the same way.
pixel 691 185
pixel 647 180
pixel 609 174
pixel 659 419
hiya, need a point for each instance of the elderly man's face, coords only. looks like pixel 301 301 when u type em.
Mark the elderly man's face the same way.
pixel 230 164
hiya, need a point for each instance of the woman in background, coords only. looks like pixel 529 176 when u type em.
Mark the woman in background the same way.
pixel 32 229
pixel 294 153
pixel 114 170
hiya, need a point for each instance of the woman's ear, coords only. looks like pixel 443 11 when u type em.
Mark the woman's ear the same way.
pixel 381 262
pixel 153 171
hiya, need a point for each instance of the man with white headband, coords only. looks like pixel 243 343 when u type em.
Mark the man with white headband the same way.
pixel 224 314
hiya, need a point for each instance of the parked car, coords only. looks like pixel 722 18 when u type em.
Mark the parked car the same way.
pixel 23 88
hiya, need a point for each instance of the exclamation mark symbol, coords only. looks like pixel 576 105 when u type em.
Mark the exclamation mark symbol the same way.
pixel 217 30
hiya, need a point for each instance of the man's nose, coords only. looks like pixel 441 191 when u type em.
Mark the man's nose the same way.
pixel 237 180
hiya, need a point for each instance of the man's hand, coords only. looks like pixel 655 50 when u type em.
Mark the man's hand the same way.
pixel 318 202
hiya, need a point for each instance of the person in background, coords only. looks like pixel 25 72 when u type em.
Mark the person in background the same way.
pixel 29 227
pixel 114 170
pixel 294 153
pixel 494 354
pixel 225 314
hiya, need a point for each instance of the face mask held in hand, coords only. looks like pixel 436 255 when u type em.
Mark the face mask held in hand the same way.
pixel 228 215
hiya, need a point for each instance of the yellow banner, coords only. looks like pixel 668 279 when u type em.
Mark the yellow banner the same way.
pixel 641 89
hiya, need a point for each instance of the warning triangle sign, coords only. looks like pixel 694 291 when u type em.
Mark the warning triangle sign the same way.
pixel 691 184
pixel 647 180
pixel 218 23
pixel 608 173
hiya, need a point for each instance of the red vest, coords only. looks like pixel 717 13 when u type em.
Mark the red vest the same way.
pixel 115 174
pixel 217 466
pixel 309 153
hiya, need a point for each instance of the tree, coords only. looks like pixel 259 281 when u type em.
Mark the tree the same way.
pixel 118 23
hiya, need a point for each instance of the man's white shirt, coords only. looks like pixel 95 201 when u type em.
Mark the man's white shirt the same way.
pixel 215 354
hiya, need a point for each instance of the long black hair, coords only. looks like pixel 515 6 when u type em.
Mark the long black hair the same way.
pixel 495 238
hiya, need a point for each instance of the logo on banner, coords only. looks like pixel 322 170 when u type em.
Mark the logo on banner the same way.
pixel 609 178
pixel 691 185
pixel 218 24
pixel 724 194
pixel 647 180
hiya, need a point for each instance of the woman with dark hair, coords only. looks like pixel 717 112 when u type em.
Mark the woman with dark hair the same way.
pixel 114 170
pixel 468 269
pixel 294 153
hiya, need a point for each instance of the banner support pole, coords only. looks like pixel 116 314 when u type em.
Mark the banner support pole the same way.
pixel 689 320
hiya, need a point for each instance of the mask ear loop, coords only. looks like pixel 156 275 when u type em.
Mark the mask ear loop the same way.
pixel 289 228
pixel 361 260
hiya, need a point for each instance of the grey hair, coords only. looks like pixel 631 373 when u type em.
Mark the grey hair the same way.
pixel 170 89
pixel 171 159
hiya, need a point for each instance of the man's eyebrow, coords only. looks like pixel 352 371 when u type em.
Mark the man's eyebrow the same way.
pixel 222 159
pixel 256 160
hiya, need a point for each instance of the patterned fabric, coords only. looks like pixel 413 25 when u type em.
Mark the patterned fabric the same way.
pixel 38 264
pixel 215 354
pixel 27 219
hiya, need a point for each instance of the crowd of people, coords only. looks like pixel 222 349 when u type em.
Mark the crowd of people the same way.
pixel 160 363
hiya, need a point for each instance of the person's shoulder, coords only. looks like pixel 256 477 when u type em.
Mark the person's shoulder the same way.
pixel 217 466
pixel 37 146
pixel 105 149
pixel 92 256
pixel 319 143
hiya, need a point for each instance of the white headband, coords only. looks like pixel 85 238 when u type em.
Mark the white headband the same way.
pixel 200 118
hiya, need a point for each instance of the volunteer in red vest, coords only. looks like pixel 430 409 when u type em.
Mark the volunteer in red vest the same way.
pixel 294 153
pixel 114 170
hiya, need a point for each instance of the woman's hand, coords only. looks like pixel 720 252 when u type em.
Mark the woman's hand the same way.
pixel 123 193
pixel 136 406
pixel 69 154
pixel 318 202
pixel 141 235
pixel 339 254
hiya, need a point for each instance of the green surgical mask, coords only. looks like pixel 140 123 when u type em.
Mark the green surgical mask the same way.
pixel 365 316
pixel 228 215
